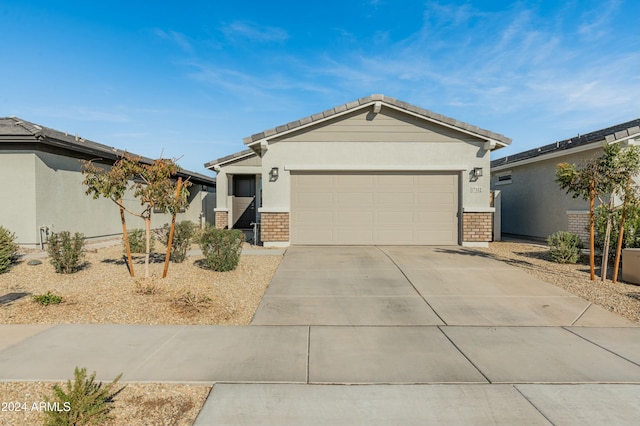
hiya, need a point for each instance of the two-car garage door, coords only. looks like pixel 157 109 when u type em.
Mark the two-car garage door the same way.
pixel 374 208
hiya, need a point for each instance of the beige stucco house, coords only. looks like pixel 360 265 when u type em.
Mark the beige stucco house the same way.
pixel 373 171
pixel 533 205
pixel 42 191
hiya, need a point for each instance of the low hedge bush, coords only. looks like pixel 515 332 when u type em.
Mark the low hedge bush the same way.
pixel 8 249
pixel 564 247
pixel 138 241
pixel 66 251
pixel 221 248
pixel 183 235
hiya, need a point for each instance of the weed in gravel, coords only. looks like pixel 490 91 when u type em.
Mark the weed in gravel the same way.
pixel 147 287
pixel 193 302
pixel 47 299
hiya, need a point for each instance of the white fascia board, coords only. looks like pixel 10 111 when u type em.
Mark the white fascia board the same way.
pixel 242 170
pixel 554 154
pixel 220 209
pixel 217 166
pixel 399 168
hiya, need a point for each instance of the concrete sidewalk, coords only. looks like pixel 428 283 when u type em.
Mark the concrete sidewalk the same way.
pixel 296 374
pixel 323 354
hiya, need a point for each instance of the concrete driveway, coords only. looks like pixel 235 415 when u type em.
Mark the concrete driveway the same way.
pixel 383 286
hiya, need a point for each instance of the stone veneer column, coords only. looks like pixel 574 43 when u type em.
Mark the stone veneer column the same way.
pixel 476 227
pixel 274 227
pixel 222 219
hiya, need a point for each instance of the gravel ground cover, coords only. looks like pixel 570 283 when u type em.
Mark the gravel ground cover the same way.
pixel 621 298
pixel 149 404
pixel 104 293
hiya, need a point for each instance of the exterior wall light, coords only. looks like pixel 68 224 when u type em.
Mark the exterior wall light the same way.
pixel 273 174
pixel 477 172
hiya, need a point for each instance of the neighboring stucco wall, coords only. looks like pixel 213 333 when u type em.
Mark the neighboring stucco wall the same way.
pixel 59 201
pixel 17 194
pixel 388 140
pixel 533 204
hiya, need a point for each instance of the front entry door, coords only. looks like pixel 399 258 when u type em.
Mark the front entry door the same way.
pixel 244 201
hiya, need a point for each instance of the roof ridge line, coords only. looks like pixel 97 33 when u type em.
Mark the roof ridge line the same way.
pixel 358 103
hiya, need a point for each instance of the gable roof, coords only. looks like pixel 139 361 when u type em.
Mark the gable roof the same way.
pixel 231 158
pixel 16 130
pixel 367 102
pixel 609 134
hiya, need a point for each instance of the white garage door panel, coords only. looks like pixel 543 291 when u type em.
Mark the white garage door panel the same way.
pixel 354 198
pixel 354 219
pixel 374 208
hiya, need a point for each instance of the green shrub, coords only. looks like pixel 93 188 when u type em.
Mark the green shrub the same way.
pixel 84 402
pixel 631 229
pixel 47 299
pixel 221 248
pixel 8 249
pixel 138 241
pixel 564 247
pixel 66 251
pixel 183 234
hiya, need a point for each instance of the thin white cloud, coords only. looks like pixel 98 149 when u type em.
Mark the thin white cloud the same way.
pixel 596 22
pixel 175 37
pixel 254 33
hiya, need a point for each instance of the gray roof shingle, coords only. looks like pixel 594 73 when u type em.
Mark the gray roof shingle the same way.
pixel 228 158
pixel 610 134
pixel 429 115
pixel 14 129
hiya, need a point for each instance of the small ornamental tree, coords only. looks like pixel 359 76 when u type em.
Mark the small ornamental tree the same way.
pixel 151 183
pixel 610 174
pixel 629 165
pixel 112 184
pixel 582 181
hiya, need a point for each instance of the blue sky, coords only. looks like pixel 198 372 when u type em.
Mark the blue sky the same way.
pixel 191 79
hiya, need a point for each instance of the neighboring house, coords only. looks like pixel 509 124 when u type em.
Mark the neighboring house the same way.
pixel 42 191
pixel 372 171
pixel 533 205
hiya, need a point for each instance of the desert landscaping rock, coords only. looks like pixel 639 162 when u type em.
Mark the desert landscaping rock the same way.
pixel 34 262
pixel 620 298
pixel 138 404
pixel 103 292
